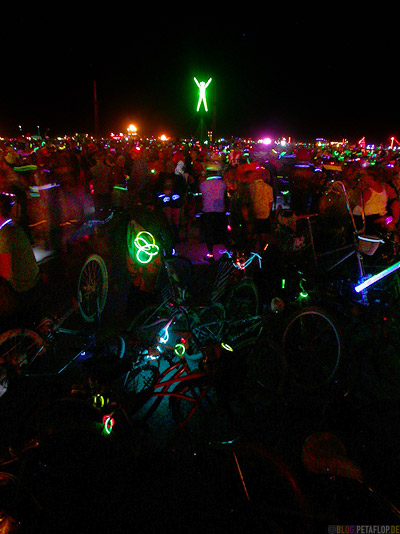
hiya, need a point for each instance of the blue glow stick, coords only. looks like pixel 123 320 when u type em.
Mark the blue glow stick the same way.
pixel 377 277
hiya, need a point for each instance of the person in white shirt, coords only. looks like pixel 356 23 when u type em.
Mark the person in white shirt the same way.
pixel 213 190
pixel 373 203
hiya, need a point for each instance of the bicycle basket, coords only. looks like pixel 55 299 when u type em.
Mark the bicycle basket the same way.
pixel 368 244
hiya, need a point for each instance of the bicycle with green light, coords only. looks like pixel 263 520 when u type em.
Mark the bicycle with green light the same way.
pixel 169 277
pixel 226 308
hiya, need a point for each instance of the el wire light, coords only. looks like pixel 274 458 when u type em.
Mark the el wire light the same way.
pixel 376 277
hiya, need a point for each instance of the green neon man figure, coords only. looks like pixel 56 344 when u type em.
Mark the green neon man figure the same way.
pixel 202 93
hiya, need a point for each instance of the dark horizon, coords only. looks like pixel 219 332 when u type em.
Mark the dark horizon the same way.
pixel 292 75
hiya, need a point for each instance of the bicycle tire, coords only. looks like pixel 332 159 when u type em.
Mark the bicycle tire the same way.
pixel 112 346
pixel 207 323
pixel 92 288
pixel 252 382
pixel 136 387
pixel 174 278
pixel 147 324
pixel 183 267
pixel 19 347
pixel 241 304
pixel 312 347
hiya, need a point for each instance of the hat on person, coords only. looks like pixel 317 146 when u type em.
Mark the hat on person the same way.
pixel 11 157
pixel 180 167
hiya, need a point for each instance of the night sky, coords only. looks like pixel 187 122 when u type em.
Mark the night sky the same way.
pixel 279 71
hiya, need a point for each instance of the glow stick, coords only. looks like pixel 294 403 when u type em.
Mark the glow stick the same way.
pixel 377 277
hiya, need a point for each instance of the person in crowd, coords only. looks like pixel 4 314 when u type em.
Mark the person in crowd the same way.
pixel 144 277
pixel 20 278
pixel 102 185
pixel 170 193
pixel 213 190
pixel 372 203
pixel 139 175
pixel 393 188
pixel 118 181
pixel 262 197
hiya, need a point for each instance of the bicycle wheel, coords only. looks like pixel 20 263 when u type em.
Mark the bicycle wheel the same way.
pixel 207 323
pixel 92 288
pixel 175 278
pixel 147 325
pixel 312 348
pixel 241 304
pixel 18 348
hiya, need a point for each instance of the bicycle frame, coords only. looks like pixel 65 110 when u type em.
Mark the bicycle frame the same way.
pixel 352 248
pixel 180 373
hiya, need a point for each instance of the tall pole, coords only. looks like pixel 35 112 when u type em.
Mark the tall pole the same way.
pixel 96 111
pixel 214 120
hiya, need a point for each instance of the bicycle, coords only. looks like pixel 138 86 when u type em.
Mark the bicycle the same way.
pixel 178 366
pixel 313 336
pixel 71 455
pixel 230 311
pixel 231 482
pixel 21 347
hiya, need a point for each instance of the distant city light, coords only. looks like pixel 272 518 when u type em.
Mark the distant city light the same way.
pixel 132 129
pixel 266 141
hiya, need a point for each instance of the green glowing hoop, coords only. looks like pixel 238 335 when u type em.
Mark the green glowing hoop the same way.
pixel 141 244
pixel 146 248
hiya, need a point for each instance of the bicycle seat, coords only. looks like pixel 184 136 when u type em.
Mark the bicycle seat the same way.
pixel 324 453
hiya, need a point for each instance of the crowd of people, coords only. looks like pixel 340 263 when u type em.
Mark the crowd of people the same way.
pixel 99 176
pixel 44 185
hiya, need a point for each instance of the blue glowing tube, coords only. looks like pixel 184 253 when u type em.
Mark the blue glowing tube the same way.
pixel 377 277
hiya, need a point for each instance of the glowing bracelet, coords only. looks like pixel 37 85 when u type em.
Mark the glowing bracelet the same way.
pixel 108 423
pixel 180 350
